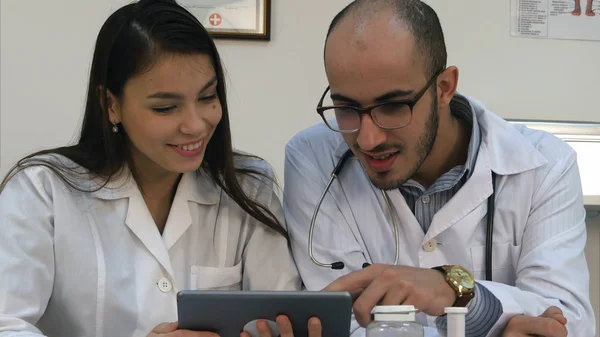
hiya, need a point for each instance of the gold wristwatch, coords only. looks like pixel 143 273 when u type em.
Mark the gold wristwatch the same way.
pixel 461 281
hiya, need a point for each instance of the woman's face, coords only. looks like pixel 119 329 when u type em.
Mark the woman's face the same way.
pixel 169 112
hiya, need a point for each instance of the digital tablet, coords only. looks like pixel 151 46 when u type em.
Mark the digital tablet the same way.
pixel 228 313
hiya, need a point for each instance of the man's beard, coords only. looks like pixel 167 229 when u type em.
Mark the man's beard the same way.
pixel 423 149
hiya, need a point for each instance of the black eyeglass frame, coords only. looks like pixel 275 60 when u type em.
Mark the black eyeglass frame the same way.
pixel 368 110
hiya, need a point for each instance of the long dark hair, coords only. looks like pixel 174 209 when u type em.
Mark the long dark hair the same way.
pixel 130 40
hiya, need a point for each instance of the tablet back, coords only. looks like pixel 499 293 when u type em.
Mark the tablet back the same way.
pixel 228 312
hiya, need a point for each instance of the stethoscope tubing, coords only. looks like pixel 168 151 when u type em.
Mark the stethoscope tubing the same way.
pixel 340 265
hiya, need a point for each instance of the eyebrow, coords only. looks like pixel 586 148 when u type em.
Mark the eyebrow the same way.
pixel 173 95
pixel 379 99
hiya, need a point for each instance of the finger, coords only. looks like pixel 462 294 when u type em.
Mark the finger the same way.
pixel 552 311
pixel 513 333
pixel 518 321
pixel 548 327
pixel 561 319
pixel 542 326
pixel 165 328
pixel 356 280
pixel 420 304
pixel 285 326
pixel 263 328
pixel 356 293
pixel 314 327
pixel 370 297
pixel 555 313
pixel 189 333
pixel 396 295
pixel 517 327
pixel 244 334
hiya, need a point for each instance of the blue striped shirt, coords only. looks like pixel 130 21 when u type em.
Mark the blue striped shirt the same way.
pixel 485 309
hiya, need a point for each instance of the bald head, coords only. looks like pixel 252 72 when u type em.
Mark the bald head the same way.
pixel 388 57
pixel 362 19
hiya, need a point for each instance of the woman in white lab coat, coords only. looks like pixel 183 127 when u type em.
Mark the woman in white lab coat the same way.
pixel 98 237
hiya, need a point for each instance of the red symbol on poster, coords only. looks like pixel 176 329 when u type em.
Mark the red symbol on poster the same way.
pixel 215 19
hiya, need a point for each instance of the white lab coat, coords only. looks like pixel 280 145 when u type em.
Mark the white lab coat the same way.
pixel 539 228
pixel 75 264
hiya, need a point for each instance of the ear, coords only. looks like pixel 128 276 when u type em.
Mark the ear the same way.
pixel 113 108
pixel 447 84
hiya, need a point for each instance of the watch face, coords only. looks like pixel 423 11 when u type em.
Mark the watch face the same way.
pixel 462 277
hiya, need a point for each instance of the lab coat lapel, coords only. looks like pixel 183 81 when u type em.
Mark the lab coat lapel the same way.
pixel 409 230
pixel 194 188
pixel 503 150
pixel 473 194
pixel 179 219
pixel 140 222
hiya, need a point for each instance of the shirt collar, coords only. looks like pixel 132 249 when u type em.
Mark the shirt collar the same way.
pixel 462 109
pixel 197 186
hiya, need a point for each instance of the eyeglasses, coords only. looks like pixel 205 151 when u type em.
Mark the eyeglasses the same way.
pixel 388 115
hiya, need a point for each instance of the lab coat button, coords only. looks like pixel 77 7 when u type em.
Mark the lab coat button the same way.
pixel 164 285
pixel 426 199
pixel 430 246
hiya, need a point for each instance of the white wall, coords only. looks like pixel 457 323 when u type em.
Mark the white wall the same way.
pixel 274 87
pixel 46 49
pixel 515 77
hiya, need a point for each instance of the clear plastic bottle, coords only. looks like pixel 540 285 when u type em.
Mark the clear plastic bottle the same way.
pixel 394 321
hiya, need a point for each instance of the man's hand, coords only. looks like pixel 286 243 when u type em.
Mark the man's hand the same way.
pixel 426 289
pixel 549 324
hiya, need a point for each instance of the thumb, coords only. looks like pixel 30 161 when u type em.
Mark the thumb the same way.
pixel 165 328
pixel 560 318
pixel 552 311
pixel 555 313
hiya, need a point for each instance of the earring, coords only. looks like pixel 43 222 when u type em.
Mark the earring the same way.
pixel 115 128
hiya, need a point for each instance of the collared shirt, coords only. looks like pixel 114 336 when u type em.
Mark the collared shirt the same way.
pixel 485 309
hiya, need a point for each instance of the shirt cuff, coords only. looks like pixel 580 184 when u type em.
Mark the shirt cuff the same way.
pixel 484 311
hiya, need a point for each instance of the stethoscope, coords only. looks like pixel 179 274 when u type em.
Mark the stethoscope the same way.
pixel 340 265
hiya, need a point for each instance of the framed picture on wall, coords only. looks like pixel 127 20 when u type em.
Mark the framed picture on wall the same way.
pixel 233 19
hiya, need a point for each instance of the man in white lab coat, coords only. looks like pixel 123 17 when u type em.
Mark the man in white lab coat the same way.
pixel 426 167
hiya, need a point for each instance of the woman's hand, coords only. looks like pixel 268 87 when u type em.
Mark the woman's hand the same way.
pixel 285 328
pixel 170 330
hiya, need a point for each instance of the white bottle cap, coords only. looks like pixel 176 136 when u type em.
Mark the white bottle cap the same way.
pixel 399 313
pixel 456 310
pixel 456 321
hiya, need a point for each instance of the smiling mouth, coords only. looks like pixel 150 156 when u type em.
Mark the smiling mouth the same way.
pixel 190 147
pixel 381 163
pixel 382 157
